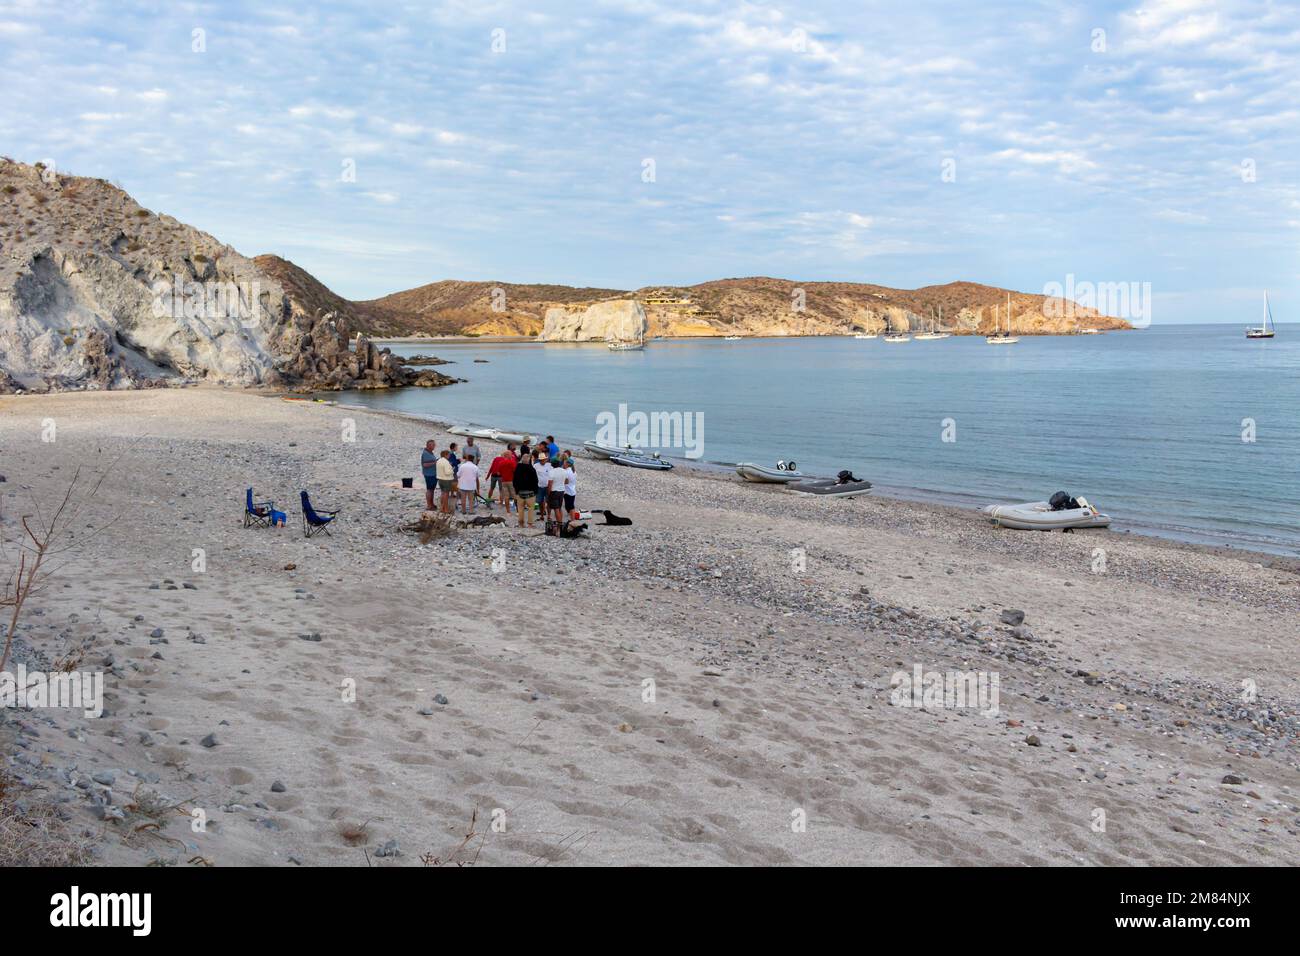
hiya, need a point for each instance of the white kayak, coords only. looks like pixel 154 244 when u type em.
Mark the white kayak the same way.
pixel 1039 516
pixel 607 452
pixel 782 473
pixel 467 432
pixel 648 462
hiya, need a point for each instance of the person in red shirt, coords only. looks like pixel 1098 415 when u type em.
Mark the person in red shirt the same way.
pixel 503 469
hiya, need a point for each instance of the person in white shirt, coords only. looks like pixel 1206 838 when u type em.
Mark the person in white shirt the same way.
pixel 570 488
pixel 560 475
pixel 543 469
pixel 467 483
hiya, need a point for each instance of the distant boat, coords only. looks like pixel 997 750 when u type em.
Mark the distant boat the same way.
pixel 732 338
pixel 999 337
pixel 934 332
pixel 894 337
pixel 629 345
pixel 1266 330
pixel 866 335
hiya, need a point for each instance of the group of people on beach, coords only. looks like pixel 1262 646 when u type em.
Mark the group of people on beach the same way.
pixel 538 480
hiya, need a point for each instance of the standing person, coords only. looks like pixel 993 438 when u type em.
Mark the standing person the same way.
pixel 503 472
pixel 467 483
pixel 561 476
pixel 446 481
pixel 552 449
pixel 570 487
pixel 455 458
pixel 471 450
pixel 429 468
pixel 555 516
pixel 543 469
pixel 525 485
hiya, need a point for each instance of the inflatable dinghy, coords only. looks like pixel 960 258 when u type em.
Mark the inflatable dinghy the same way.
pixel 607 452
pixel 648 462
pixel 467 432
pixel 783 473
pixel 1039 516
pixel 519 438
pixel 843 486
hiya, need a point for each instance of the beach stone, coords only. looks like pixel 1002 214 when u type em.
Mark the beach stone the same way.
pixel 156 632
pixel 389 849
pixel 1033 741
pixel 278 787
pixel 439 698
pixel 209 741
pixel 1013 617
pixel 104 777
pixel 1232 779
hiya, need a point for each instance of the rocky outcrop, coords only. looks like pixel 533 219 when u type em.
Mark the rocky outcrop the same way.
pixel 98 292
pixel 599 322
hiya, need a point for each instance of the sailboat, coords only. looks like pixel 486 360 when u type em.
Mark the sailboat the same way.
pixel 1267 329
pixel 892 336
pixel 630 345
pixel 998 337
pixel 934 332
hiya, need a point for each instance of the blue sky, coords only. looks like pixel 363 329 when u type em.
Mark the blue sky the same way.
pixel 510 141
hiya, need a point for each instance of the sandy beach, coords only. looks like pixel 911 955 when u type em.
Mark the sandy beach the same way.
pixel 370 698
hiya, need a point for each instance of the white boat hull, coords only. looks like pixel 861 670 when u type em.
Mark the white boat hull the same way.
pixel 467 432
pixel 517 437
pixel 1039 516
pixel 1002 340
pixel 762 473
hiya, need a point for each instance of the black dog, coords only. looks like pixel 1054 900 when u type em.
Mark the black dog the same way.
pixel 611 518
pixel 572 530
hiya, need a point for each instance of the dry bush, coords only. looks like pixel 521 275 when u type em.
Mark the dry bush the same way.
pixel 431 525
pixel 38 837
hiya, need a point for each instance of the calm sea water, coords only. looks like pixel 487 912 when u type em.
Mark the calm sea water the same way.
pixel 1147 425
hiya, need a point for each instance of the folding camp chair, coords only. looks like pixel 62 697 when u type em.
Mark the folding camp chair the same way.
pixel 257 514
pixel 313 521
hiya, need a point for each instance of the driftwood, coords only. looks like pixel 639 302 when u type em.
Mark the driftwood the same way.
pixel 430 525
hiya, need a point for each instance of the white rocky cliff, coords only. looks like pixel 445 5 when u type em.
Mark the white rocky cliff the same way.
pixel 616 319
pixel 98 292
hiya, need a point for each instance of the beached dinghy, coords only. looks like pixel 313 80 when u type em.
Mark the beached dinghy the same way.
pixel 648 462
pixel 845 485
pixel 1041 516
pixel 518 438
pixel 783 473
pixel 467 432
pixel 607 452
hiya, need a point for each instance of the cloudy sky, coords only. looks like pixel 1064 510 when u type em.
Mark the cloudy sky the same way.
pixel 648 141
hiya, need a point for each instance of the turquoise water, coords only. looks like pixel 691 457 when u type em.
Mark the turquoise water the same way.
pixel 1147 425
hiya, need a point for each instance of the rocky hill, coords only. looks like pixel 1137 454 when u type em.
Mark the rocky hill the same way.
pixel 98 292
pixel 451 307
pixel 747 307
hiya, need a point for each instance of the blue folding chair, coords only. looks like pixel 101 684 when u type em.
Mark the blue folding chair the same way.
pixel 313 521
pixel 257 514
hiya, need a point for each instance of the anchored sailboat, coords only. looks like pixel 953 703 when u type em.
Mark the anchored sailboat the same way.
pixel 630 345
pixel 999 337
pixel 892 336
pixel 1267 329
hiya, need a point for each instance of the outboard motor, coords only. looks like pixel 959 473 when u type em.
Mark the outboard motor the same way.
pixel 844 477
pixel 1062 502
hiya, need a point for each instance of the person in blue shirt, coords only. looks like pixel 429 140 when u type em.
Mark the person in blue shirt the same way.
pixel 553 448
pixel 455 461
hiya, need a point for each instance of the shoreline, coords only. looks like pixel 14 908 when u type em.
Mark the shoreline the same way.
pixel 949 501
